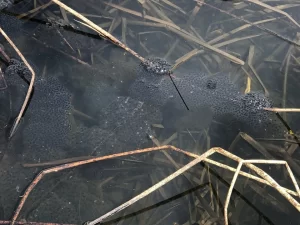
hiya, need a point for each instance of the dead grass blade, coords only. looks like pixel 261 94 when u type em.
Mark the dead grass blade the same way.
pixel 249 164
pixel 101 31
pixel 256 145
pixel 267 94
pixel 275 10
pixel 158 12
pixel 176 29
pixel 34 10
pixel 249 62
pixel 252 24
pixel 167 2
pixel 138 14
pixel 83 162
pixel 236 30
pixel 198 159
pixel 248 175
pixel 153 188
pixel 205 45
pixel 196 51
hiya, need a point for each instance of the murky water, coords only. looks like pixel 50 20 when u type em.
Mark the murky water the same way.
pixel 92 98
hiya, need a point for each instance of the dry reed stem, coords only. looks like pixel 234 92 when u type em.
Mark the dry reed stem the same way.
pixel 83 162
pixel 99 30
pixel 260 172
pixel 248 163
pixel 267 177
pixel 275 10
pixel 153 188
pixel 247 138
pixel 30 85
pixel 210 152
pixel 248 175
pixel 156 142
pixel 282 109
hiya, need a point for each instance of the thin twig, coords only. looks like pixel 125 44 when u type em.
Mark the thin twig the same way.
pixel 16 123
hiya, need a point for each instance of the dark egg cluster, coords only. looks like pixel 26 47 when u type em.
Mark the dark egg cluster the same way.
pixel 211 84
pixel 11 25
pixel 17 67
pixel 49 108
pixel 130 119
pixel 157 66
pixel 5 3
pixel 254 101
pixel 150 88
pixel 214 91
pixel 47 123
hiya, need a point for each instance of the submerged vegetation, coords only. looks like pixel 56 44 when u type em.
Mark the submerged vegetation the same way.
pixel 205 91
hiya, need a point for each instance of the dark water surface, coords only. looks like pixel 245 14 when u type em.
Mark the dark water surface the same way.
pixel 92 98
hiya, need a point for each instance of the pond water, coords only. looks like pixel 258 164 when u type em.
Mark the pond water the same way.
pixel 229 60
